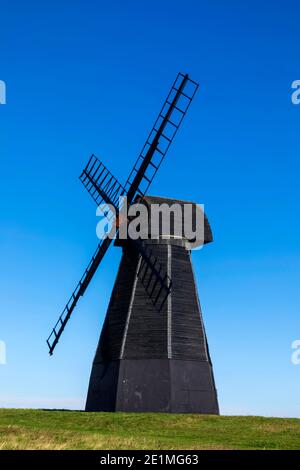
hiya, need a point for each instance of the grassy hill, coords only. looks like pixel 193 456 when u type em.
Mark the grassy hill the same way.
pixel 38 429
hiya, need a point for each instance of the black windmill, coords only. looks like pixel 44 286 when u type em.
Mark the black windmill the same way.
pixel 152 353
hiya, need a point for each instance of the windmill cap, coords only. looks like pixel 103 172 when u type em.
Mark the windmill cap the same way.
pixel 173 220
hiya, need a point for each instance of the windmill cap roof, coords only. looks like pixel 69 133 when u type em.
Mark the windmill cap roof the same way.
pixel 192 218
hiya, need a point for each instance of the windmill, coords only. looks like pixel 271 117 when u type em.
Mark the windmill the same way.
pixel 152 353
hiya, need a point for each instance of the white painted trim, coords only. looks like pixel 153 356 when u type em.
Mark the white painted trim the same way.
pixel 130 309
pixel 169 302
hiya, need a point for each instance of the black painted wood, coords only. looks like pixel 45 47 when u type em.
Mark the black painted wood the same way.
pixel 149 360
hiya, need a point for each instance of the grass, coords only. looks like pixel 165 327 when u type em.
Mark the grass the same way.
pixel 38 429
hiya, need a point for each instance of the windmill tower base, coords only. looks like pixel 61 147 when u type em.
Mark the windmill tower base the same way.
pixel 152 385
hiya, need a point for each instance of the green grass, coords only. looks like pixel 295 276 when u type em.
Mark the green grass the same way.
pixel 38 429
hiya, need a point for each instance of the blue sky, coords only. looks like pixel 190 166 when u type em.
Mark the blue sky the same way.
pixel 89 77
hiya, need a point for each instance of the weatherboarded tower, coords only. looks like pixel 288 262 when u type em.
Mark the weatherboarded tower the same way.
pixel 152 353
pixel 153 359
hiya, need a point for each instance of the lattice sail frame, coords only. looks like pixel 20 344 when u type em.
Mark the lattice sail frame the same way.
pixel 103 186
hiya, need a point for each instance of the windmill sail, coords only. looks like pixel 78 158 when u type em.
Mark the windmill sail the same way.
pixel 153 277
pixel 103 186
pixel 80 289
pixel 156 283
pixel 161 136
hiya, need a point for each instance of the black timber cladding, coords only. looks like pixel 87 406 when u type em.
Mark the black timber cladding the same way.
pixel 149 360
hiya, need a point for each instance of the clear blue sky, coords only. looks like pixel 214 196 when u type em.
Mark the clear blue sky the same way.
pixel 90 76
